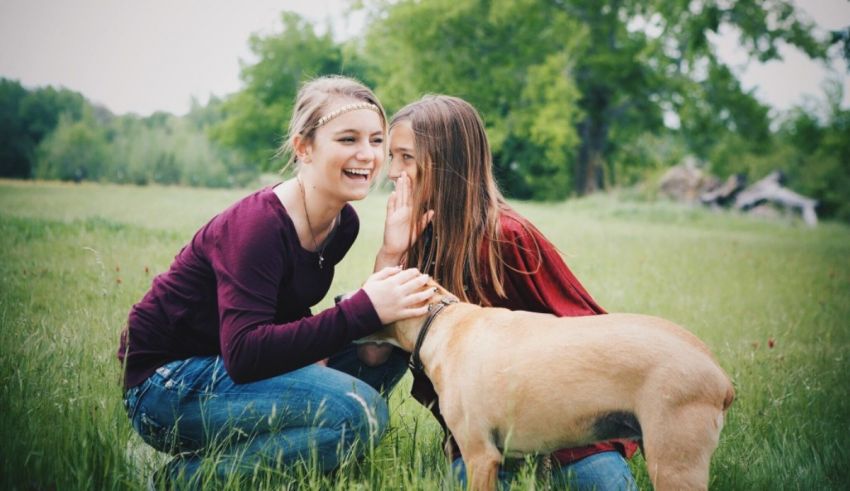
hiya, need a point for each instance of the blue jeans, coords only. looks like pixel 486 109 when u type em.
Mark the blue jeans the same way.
pixel 189 407
pixel 605 471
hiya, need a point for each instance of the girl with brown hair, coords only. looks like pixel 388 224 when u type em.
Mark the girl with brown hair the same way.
pixel 448 218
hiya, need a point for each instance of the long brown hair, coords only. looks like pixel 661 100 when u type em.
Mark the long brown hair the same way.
pixel 455 179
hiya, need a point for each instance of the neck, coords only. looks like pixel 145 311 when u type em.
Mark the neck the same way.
pixel 434 310
pixel 312 214
pixel 321 209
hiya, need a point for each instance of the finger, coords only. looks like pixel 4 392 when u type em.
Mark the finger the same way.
pixel 404 189
pixel 385 273
pixel 423 296
pixel 414 312
pixel 391 203
pixel 405 276
pixel 415 284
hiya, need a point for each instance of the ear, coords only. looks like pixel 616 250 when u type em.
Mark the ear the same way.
pixel 303 149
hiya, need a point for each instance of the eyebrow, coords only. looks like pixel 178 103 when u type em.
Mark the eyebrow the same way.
pixel 402 149
pixel 353 130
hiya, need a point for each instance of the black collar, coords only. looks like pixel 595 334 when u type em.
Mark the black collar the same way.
pixel 433 309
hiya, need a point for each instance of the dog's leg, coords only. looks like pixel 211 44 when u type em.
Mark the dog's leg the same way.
pixel 482 464
pixel 678 444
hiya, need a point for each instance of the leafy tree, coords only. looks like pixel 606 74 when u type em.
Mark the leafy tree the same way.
pixel 256 118
pixel 490 54
pixel 74 151
pixel 15 144
pixel 26 117
pixel 818 160
pixel 630 63
pixel 167 149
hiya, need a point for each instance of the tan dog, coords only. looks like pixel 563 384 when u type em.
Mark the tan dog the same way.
pixel 513 383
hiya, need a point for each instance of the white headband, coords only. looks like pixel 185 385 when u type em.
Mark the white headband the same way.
pixel 344 109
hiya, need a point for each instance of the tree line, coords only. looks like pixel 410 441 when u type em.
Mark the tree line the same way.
pixel 49 133
pixel 577 95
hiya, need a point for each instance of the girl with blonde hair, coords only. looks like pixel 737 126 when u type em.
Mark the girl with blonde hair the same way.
pixel 222 351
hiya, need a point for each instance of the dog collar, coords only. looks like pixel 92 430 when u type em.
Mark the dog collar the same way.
pixel 433 309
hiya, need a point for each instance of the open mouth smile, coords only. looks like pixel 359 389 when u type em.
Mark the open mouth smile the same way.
pixel 357 174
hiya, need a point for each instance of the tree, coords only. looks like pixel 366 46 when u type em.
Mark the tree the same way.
pixel 256 118
pixel 26 117
pixel 15 145
pixel 75 150
pixel 631 62
pixel 818 161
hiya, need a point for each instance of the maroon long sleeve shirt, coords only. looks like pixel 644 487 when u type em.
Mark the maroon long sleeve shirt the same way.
pixel 242 288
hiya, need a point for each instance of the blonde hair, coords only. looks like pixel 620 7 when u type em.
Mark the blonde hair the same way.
pixel 314 101
pixel 455 179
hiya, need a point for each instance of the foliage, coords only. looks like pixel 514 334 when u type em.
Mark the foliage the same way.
pixel 810 146
pixel 576 96
pixel 818 153
pixel 256 118
pixel 166 149
pixel 26 118
pixel 74 151
pixel 525 94
pixel 626 64
pixel 57 134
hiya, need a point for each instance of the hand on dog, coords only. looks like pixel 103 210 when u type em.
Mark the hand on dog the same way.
pixel 398 233
pixel 398 294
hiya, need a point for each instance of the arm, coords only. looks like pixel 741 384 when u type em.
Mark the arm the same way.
pixel 249 262
pixel 250 257
pixel 397 240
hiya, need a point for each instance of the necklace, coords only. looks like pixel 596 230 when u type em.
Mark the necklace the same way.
pixel 321 251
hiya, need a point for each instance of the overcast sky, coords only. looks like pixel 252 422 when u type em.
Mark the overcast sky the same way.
pixel 147 55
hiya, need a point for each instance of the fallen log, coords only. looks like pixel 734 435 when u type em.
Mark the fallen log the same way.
pixel 771 189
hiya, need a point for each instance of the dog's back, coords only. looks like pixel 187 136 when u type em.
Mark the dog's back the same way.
pixel 570 381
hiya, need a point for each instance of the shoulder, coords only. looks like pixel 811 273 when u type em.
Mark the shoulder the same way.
pixel 349 222
pixel 521 243
pixel 512 224
pixel 261 204
pixel 517 230
pixel 258 220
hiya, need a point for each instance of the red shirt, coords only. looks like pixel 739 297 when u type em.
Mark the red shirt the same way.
pixel 535 279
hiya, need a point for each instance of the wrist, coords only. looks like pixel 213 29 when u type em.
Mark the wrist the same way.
pixel 387 258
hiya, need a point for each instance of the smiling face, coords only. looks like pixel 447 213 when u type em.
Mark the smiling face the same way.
pixel 403 152
pixel 344 155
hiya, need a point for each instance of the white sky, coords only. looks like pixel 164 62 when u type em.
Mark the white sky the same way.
pixel 147 55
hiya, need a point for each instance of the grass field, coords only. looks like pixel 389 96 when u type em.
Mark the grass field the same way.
pixel 772 300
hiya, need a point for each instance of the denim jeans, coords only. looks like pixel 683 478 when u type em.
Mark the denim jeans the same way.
pixel 189 407
pixel 605 471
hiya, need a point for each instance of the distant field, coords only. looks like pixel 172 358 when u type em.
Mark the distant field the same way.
pixel 772 300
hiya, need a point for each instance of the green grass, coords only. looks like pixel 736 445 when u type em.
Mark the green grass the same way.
pixel 74 258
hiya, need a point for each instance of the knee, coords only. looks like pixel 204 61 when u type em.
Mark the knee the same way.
pixel 364 412
pixel 605 470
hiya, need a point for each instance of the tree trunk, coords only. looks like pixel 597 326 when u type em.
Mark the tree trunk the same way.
pixel 589 175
